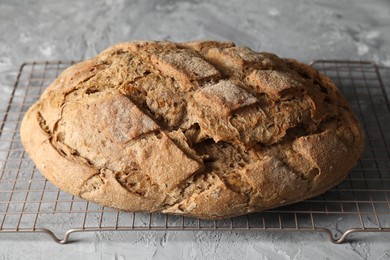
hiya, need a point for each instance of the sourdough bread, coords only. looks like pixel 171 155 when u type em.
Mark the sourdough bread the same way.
pixel 204 129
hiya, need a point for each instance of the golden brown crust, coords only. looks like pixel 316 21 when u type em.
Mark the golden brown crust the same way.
pixel 204 129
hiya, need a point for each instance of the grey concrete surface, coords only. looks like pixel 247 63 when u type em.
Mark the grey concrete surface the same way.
pixel 301 29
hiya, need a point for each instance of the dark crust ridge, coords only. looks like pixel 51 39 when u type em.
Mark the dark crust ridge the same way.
pixel 204 129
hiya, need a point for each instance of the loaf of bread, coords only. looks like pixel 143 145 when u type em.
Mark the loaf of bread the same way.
pixel 204 129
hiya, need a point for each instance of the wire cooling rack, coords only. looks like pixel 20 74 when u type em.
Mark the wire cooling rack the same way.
pixel 29 203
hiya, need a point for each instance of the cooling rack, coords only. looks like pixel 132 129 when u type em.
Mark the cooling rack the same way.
pixel 29 203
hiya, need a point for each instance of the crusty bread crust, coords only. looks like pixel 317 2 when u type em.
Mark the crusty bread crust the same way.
pixel 203 129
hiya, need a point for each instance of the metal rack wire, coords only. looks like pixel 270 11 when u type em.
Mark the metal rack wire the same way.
pixel 29 203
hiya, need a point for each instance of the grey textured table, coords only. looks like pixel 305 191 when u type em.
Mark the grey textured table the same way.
pixel 305 30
